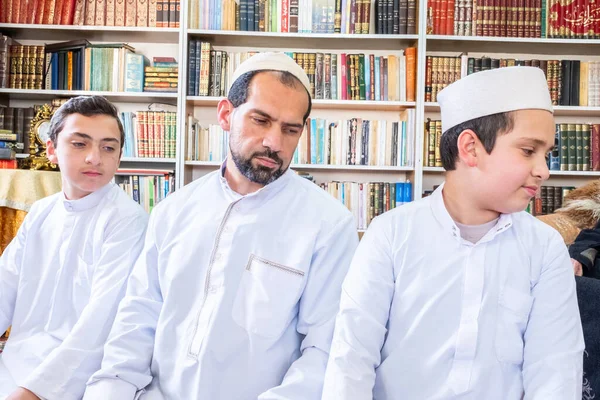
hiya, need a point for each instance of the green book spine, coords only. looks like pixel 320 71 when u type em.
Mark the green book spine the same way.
pixel 564 147
pixel 586 148
pixel 572 153
pixel 361 77
pixel 579 146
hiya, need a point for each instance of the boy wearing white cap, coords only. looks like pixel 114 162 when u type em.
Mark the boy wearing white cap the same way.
pixel 462 295
pixel 236 291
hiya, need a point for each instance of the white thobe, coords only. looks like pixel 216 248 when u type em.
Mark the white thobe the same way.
pixel 61 279
pixel 425 314
pixel 234 297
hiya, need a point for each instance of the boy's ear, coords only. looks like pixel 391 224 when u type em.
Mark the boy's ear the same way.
pixel 51 152
pixel 467 147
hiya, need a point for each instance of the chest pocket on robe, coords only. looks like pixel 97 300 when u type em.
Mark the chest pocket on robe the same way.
pixel 266 297
pixel 513 314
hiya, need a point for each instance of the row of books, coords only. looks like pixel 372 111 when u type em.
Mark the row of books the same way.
pixel 355 141
pixel 577 147
pixel 574 19
pixel 142 13
pixel 548 199
pixel 571 82
pixel 150 134
pixel 146 187
pixel 75 65
pixel 369 200
pixel 332 76
pixel 502 18
pixel 162 77
pixel 17 121
pixel 306 16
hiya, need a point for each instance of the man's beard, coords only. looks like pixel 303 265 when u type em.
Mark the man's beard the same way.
pixel 260 174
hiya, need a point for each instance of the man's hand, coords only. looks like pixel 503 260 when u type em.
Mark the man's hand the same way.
pixel 22 394
pixel 577 267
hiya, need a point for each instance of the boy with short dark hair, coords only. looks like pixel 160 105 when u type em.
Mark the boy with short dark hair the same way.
pixel 462 294
pixel 63 275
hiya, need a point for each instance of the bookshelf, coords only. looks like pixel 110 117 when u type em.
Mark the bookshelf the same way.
pixel 175 41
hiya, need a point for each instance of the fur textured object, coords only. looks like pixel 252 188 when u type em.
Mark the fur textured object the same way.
pixel 582 205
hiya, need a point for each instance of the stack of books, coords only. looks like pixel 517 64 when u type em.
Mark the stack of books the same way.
pixel 162 77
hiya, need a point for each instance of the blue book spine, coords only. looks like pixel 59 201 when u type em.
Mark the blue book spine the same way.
pixel 134 72
pixel 407 192
pixel 403 145
pixel 296 156
pixel 554 158
pixel 399 193
pixel 377 80
pixel 322 149
pixel 313 141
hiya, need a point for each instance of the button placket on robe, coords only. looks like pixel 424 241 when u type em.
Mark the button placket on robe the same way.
pixel 467 335
pixel 214 281
pixel 61 288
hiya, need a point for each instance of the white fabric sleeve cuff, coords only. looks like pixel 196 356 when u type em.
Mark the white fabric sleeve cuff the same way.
pixel 110 389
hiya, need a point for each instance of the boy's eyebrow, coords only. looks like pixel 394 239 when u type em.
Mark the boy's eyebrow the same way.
pixel 286 124
pixel 538 143
pixel 88 137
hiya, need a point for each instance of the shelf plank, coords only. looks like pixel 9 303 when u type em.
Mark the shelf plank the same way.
pixel 574 174
pixel 304 40
pixel 316 167
pixel 560 111
pixel 132 34
pixel 128 97
pixel 148 160
pixel 211 101
pixel 488 44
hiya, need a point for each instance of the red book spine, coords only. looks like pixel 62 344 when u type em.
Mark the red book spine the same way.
pixel 595 145
pixel 344 77
pixel 58 12
pixel 39 12
pixel 285 14
pixel 68 13
pixel 450 17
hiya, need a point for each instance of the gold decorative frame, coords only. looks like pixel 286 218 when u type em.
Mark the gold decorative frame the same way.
pixel 38 135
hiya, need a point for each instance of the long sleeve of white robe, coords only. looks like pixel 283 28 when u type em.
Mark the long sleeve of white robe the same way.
pixel 360 330
pixel 64 373
pixel 132 337
pixel 10 263
pixel 553 357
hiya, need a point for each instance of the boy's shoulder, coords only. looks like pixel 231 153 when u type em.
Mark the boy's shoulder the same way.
pixel 534 232
pixel 122 205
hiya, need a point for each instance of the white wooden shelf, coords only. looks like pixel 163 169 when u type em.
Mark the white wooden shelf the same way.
pixel 561 111
pixel 576 174
pixel 129 97
pixel 212 101
pixel 434 169
pixel 148 160
pixel 97 33
pixel 304 40
pixel 492 44
pixel 495 39
pixel 317 167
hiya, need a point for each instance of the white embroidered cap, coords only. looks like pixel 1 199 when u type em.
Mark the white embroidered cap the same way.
pixel 493 91
pixel 274 61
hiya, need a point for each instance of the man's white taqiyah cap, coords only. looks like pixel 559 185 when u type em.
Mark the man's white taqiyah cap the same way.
pixel 493 91
pixel 273 61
